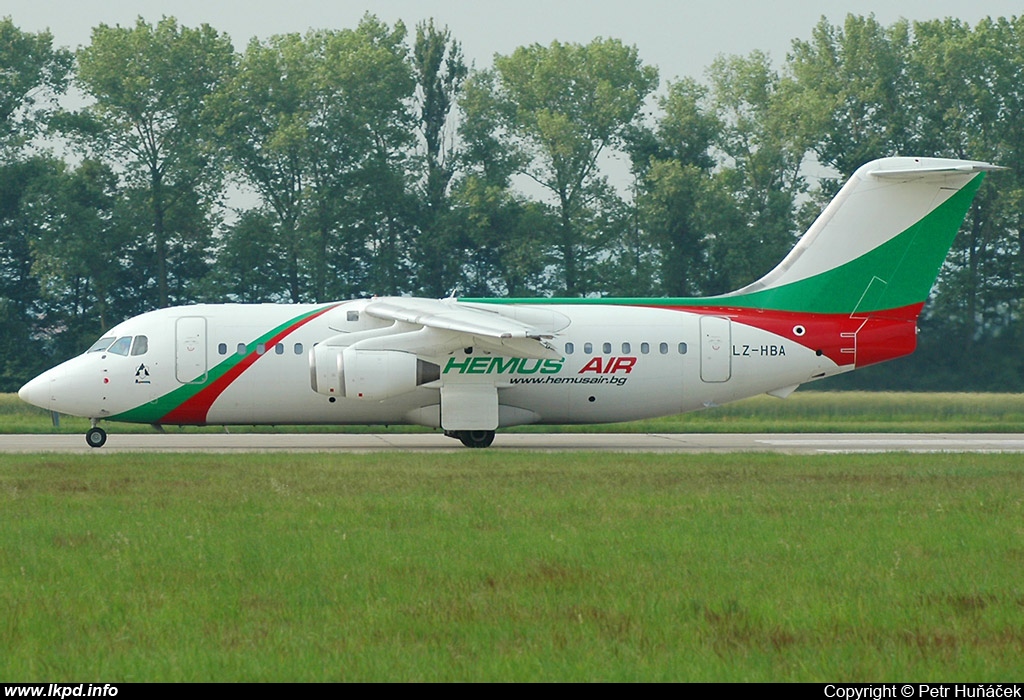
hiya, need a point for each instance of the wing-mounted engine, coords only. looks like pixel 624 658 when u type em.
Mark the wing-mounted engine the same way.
pixel 368 374
pixel 375 364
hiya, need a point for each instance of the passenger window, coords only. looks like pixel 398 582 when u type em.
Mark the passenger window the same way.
pixel 261 348
pixel 625 348
pixel 240 349
pixel 645 348
pixel 101 344
pixel 120 346
pixel 682 348
pixel 141 345
pixel 569 348
pixel 588 348
pixel 279 348
pixel 663 348
pixel 607 347
pixel 222 349
pixel 298 348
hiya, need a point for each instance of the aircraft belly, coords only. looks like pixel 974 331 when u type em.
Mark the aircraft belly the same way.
pixel 302 406
pixel 595 403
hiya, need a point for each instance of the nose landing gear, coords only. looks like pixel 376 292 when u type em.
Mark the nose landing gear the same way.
pixel 96 436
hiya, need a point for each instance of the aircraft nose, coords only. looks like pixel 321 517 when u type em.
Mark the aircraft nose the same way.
pixel 38 391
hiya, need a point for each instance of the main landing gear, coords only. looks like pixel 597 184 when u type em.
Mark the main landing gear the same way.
pixel 472 438
pixel 96 436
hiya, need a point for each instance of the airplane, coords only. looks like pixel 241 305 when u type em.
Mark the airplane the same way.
pixel 848 295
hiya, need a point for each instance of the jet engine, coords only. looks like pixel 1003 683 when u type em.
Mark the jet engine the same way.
pixel 367 374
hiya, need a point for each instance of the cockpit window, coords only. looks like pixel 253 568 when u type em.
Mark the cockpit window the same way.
pixel 120 346
pixel 141 345
pixel 101 344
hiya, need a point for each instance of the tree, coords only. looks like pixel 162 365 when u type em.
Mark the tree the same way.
pixel 765 139
pixel 680 204
pixel 252 260
pixel 265 115
pixel 505 246
pixel 78 251
pixel 318 125
pixel 150 85
pixel 505 235
pixel 557 109
pixel 24 329
pixel 440 73
pixel 32 75
pixel 966 106
pixel 854 91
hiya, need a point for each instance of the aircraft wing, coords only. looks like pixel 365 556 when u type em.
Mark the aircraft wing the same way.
pixel 436 326
pixel 449 315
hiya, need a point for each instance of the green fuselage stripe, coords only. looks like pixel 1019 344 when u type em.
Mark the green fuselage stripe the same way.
pixel 155 410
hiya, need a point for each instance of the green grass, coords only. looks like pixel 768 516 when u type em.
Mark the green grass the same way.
pixel 509 567
pixel 804 411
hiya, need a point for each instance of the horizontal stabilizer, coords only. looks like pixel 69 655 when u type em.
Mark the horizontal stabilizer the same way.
pixel 905 173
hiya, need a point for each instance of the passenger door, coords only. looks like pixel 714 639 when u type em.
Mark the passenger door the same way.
pixel 715 349
pixel 190 350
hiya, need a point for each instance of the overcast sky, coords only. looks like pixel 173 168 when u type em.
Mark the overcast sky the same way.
pixel 679 38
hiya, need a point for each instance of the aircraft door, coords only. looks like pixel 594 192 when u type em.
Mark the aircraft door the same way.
pixel 190 350
pixel 715 349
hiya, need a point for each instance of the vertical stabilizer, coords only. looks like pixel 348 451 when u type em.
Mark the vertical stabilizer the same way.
pixel 878 246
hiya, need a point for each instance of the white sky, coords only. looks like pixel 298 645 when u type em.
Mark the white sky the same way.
pixel 680 38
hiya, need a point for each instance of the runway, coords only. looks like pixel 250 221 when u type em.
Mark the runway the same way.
pixel 799 443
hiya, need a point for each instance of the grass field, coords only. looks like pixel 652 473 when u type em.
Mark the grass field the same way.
pixel 480 566
pixel 804 411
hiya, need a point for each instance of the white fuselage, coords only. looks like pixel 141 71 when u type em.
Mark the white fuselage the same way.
pixel 250 364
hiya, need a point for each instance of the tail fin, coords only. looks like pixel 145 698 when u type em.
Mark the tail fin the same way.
pixel 877 248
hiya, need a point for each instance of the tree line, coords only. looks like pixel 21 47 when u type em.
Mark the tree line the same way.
pixel 373 160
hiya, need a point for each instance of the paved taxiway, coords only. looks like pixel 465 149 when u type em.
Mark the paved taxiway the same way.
pixel 803 443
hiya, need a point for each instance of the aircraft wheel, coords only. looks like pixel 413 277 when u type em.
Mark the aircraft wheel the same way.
pixel 96 437
pixel 477 438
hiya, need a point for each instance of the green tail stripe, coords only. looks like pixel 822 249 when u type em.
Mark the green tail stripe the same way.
pixel 896 274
